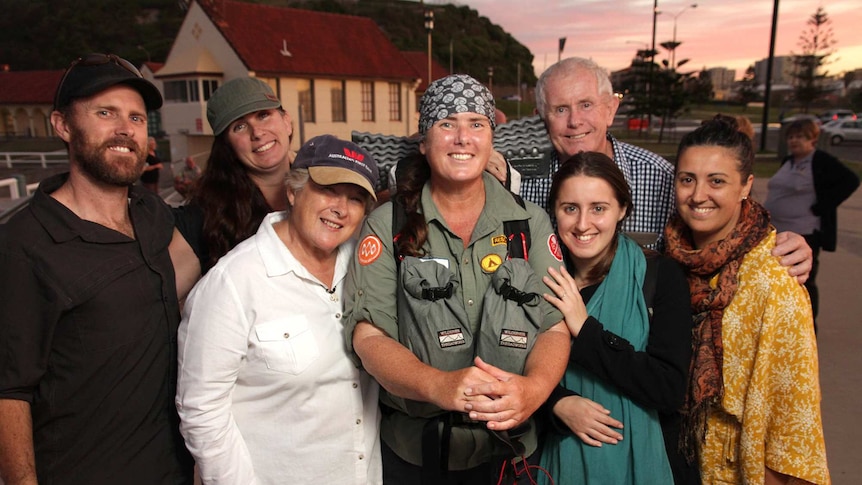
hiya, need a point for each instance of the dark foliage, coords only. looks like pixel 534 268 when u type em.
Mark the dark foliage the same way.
pixel 142 30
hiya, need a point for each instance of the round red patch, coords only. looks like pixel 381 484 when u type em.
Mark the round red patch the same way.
pixel 369 249
pixel 554 247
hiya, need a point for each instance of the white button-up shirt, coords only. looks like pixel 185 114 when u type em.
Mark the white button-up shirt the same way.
pixel 267 393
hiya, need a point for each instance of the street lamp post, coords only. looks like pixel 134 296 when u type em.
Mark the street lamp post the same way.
pixel 651 64
pixel 429 27
pixel 451 61
pixel 673 52
pixel 491 79
pixel 142 48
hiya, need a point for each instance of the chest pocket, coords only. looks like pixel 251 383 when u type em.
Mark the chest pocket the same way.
pixel 287 344
pixel 511 316
pixel 432 323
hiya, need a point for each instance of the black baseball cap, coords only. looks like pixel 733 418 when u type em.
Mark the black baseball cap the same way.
pixel 94 73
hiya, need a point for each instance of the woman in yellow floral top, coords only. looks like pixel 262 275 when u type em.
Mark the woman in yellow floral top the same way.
pixel 753 402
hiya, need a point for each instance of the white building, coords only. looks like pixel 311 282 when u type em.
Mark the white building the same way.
pixel 333 73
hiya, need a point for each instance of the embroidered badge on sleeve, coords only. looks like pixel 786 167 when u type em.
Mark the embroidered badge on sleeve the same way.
pixel 369 249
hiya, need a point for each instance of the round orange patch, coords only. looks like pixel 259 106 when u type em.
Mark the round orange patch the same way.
pixel 369 249
pixel 554 247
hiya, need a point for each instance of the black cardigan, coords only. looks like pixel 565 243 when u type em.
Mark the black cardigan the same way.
pixel 655 378
pixel 833 183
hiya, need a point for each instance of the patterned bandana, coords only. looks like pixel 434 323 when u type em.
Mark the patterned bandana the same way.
pixel 458 93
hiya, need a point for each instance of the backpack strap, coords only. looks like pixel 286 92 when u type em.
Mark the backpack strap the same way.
pixel 518 233
pixel 399 218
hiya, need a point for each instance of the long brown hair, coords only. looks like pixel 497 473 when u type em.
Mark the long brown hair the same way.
pixel 411 179
pixel 600 166
pixel 232 204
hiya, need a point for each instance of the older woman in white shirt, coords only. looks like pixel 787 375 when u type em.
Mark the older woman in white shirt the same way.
pixel 267 393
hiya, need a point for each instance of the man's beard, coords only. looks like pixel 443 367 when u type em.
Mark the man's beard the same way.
pixel 95 160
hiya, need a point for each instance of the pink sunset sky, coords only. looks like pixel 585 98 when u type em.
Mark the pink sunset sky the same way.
pixel 728 33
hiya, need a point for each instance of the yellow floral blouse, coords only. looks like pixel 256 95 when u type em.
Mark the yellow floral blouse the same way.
pixel 770 412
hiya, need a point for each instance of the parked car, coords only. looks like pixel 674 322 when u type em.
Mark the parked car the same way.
pixel 836 114
pixel 839 131
pixel 801 116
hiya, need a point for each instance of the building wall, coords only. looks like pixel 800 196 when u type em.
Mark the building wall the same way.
pixel 26 121
pixel 722 78
pixel 782 70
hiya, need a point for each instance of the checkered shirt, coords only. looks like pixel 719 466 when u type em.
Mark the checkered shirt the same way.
pixel 649 176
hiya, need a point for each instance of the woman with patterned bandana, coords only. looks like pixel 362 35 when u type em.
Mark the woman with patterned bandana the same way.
pixel 431 305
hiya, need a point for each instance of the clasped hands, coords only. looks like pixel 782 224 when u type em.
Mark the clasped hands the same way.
pixel 487 393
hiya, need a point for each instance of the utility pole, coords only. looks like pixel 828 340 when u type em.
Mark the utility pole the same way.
pixel 768 91
pixel 651 68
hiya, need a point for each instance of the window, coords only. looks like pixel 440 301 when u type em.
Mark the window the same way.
pixel 394 102
pixel 154 124
pixel 210 85
pixel 177 91
pixel 338 102
pixel 188 90
pixel 367 101
pixel 194 90
pixel 305 89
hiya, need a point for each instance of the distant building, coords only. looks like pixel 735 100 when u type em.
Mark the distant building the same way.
pixel 26 101
pixel 333 73
pixel 721 77
pixel 722 80
pixel 782 70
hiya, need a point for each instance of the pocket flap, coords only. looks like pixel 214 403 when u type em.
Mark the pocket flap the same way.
pixel 281 329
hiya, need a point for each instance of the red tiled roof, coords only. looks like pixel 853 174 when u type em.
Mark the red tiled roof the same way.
pixel 154 66
pixel 320 44
pixel 29 87
pixel 419 61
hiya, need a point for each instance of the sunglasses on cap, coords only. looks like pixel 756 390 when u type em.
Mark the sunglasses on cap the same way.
pixel 96 59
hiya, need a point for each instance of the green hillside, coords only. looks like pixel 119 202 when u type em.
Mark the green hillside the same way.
pixel 142 30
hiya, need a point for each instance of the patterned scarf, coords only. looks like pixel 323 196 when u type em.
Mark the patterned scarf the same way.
pixel 707 303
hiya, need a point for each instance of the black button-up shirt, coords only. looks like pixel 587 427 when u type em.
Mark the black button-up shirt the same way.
pixel 88 322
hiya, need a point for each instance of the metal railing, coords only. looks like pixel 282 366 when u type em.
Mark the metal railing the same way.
pixel 10 210
pixel 34 158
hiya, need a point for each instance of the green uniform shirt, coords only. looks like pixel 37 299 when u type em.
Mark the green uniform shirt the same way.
pixel 370 294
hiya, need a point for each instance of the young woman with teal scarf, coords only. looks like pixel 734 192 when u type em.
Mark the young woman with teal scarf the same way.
pixel 626 378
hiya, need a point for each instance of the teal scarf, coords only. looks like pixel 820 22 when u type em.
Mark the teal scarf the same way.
pixel 640 458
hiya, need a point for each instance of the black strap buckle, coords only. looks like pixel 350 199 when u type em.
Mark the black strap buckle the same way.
pixel 438 292
pixel 509 292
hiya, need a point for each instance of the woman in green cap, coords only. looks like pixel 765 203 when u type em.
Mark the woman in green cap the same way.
pixel 243 180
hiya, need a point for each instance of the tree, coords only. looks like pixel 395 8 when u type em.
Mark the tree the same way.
pixel 747 91
pixel 670 96
pixel 700 87
pixel 816 43
pixel 633 84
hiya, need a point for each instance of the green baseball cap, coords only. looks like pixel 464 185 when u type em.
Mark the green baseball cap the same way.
pixel 237 98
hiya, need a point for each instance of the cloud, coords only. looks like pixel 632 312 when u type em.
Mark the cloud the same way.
pixel 732 33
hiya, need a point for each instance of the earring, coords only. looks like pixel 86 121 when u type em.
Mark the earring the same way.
pixel 744 197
